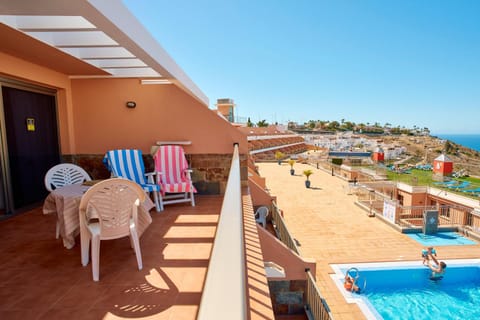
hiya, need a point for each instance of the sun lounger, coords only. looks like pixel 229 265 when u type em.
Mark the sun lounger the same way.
pixel 477 190
pixel 462 185
pixel 425 167
pixel 446 183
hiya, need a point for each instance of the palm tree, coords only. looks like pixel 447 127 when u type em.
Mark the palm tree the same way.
pixel 262 123
pixel 333 125
pixel 291 162
pixel 307 173
pixel 279 156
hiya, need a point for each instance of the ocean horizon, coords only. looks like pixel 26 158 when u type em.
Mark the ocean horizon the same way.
pixel 471 141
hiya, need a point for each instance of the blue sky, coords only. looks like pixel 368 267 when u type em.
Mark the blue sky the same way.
pixel 409 62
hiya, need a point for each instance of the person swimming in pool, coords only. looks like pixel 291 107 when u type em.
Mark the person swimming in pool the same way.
pixel 438 268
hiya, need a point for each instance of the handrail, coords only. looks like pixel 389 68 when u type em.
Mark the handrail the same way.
pixel 224 294
pixel 317 307
pixel 276 147
pixel 282 231
pixel 272 136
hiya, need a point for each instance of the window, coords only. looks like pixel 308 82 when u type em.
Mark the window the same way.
pixel 400 199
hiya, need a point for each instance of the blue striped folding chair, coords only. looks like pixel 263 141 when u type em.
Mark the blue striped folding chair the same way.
pixel 128 164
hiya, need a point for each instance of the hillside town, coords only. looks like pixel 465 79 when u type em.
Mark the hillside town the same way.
pixel 401 146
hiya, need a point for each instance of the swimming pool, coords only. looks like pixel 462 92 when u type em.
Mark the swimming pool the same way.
pixel 403 290
pixel 440 239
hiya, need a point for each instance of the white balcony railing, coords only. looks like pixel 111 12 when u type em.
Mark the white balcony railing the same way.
pixel 276 147
pixel 224 294
pixel 272 136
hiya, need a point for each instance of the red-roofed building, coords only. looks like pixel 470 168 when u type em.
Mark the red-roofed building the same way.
pixel 378 155
pixel 442 166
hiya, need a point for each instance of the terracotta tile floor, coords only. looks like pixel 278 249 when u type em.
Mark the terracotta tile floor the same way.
pixel 40 279
pixel 332 229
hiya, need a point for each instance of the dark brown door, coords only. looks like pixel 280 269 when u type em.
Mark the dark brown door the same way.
pixel 32 142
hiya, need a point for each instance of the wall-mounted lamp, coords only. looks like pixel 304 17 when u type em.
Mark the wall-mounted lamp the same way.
pixel 131 104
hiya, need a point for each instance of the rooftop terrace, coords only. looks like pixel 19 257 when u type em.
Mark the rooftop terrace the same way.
pixel 40 279
pixel 332 229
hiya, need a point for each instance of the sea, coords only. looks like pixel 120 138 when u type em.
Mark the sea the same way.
pixel 471 141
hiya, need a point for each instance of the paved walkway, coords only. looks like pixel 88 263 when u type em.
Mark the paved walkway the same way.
pixel 332 229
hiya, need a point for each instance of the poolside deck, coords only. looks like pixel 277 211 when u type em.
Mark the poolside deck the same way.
pixel 332 229
pixel 40 279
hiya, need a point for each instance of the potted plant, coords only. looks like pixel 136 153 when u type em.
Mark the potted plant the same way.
pixel 279 156
pixel 291 162
pixel 307 173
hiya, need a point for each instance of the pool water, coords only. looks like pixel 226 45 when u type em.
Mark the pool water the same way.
pixel 440 239
pixel 397 291
pixel 410 294
pixel 442 303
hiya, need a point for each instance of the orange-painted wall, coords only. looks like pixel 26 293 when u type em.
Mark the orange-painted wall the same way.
pixel 275 251
pixel 163 113
pixel 260 197
pixel 419 199
pixel 445 168
pixel 415 199
pixel 253 175
pixel 21 70
pixel 225 110
pixel 92 115
pixel 378 157
pixel 407 197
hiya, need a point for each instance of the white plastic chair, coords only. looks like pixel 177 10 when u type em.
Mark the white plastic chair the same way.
pixel 109 210
pixel 261 215
pixel 62 175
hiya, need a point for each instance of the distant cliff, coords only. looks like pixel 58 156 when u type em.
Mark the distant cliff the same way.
pixel 427 148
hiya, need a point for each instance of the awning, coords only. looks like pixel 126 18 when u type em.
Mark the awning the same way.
pixel 86 39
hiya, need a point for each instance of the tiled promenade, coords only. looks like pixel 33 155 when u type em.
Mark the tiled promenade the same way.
pixel 332 229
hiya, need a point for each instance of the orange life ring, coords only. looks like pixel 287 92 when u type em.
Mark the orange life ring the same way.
pixel 348 285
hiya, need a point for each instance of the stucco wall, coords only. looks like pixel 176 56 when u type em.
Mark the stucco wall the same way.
pixel 163 113
pixel 93 118
pixel 26 72
pixel 415 199
pixel 418 199
pixel 92 115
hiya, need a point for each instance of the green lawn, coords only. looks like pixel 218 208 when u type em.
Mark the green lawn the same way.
pixel 424 178
pixel 475 181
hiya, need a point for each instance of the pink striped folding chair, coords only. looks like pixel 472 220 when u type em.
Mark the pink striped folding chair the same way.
pixel 175 181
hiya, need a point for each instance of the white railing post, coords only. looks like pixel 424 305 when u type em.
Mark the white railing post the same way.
pixel 224 293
